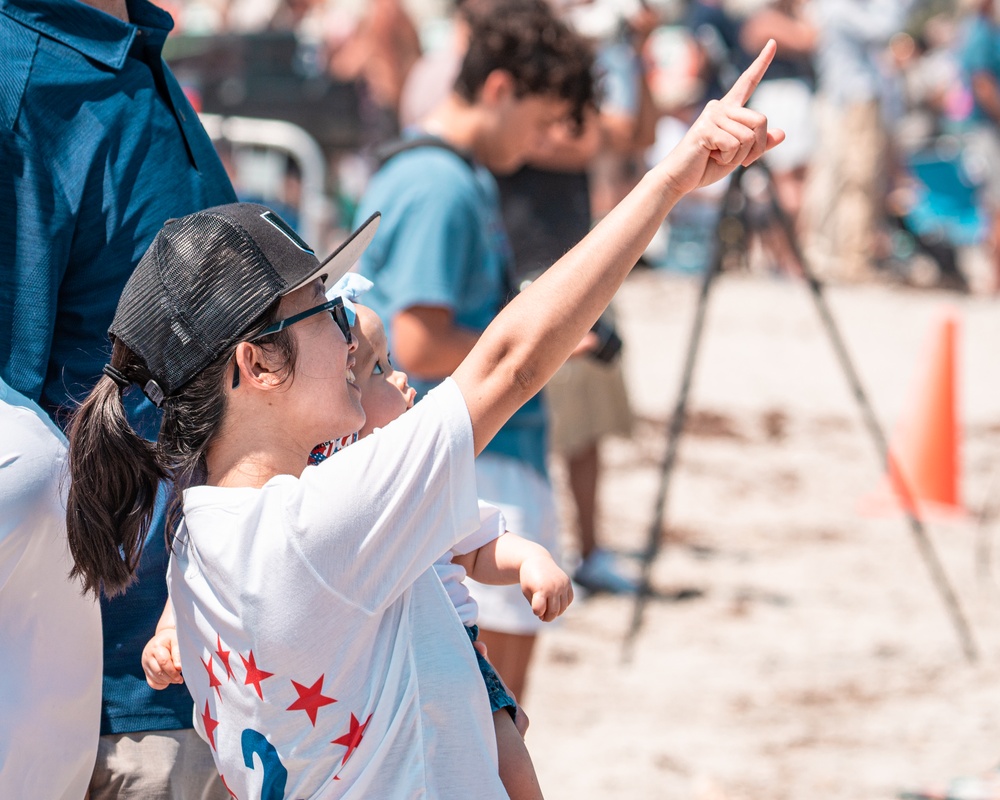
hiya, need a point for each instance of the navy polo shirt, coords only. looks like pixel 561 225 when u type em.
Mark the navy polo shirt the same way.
pixel 98 148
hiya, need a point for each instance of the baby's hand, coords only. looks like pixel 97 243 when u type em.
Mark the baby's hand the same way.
pixel 521 720
pixel 161 660
pixel 547 587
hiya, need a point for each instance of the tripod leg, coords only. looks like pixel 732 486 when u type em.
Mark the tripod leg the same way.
pixel 923 542
pixel 732 206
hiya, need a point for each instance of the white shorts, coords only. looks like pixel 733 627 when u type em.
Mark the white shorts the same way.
pixel 788 104
pixel 526 500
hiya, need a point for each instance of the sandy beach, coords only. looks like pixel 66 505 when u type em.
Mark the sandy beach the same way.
pixel 797 647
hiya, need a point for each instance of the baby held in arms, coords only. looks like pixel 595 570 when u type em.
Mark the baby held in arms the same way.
pixel 491 555
pixel 324 655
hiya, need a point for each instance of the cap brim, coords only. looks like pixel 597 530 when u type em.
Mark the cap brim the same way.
pixel 340 261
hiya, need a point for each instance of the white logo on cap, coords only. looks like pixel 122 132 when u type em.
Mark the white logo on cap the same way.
pixel 281 225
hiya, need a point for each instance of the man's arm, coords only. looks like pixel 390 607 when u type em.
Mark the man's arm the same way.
pixel 430 250
pixel 428 344
pixel 986 90
pixel 978 62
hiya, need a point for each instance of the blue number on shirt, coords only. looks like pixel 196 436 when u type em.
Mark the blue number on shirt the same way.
pixel 275 774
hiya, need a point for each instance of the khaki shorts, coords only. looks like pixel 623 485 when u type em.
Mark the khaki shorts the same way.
pixel 586 400
pixel 156 765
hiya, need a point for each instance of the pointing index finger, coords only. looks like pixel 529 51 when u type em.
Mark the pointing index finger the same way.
pixel 747 82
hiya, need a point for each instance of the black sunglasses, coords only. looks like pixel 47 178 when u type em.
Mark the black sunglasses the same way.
pixel 336 309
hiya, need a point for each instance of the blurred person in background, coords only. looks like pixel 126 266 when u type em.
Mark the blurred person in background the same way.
pixel 690 63
pixel 928 104
pixel 379 53
pixel 845 200
pixel 715 31
pixel 548 205
pixel 294 15
pixel 99 147
pixel 430 80
pixel 626 123
pixel 933 99
pixel 547 208
pixel 785 97
pixel 980 60
pixel 441 261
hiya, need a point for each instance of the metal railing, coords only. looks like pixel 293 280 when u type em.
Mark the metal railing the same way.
pixel 315 209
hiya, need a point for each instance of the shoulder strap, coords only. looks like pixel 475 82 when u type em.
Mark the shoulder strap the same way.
pixel 392 149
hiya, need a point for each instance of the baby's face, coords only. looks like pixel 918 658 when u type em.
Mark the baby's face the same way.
pixel 385 393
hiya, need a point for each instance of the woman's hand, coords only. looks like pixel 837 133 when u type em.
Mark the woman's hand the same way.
pixel 725 135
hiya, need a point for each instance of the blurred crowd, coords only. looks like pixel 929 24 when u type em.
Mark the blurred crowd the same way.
pixel 891 109
pixel 491 136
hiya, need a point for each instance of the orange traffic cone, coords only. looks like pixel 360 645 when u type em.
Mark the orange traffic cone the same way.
pixel 925 449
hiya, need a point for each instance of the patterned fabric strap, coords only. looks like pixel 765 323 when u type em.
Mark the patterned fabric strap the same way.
pixel 322 452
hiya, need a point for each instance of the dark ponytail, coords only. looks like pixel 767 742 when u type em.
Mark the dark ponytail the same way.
pixel 114 476
pixel 115 473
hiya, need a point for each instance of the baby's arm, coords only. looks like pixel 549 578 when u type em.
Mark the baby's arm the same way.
pixel 161 657
pixel 510 559
pixel 516 770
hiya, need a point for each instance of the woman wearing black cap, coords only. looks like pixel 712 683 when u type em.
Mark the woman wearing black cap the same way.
pixel 331 661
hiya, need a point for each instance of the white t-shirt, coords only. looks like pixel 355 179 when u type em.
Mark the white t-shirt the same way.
pixel 322 651
pixel 50 635
pixel 452 575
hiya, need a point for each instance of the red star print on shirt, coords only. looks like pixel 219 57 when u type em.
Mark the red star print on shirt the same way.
pixel 352 738
pixel 231 793
pixel 310 699
pixel 213 682
pixel 223 657
pixel 210 726
pixel 254 675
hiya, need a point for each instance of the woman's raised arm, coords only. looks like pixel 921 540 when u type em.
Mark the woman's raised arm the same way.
pixel 537 331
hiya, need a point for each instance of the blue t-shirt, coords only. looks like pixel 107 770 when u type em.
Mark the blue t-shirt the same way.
pixel 442 243
pixel 981 53
pixel 98 148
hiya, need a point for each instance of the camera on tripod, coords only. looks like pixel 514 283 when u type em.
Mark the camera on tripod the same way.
pixel 609 343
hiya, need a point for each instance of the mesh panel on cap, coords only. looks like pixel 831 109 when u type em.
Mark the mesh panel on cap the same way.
pixel 216 282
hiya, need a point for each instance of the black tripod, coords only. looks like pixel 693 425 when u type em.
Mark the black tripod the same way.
pixel 731 232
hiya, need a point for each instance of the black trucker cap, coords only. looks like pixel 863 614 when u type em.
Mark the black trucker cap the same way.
pixel 207 277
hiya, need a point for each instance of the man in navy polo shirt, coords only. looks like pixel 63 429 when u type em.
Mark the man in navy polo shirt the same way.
pixel 98 147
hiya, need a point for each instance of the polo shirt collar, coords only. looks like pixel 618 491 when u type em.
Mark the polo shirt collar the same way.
pixel 93 33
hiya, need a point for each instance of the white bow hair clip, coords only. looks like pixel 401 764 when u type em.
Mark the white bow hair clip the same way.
pixel 349 289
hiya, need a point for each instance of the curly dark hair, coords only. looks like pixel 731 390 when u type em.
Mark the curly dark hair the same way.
pixel 524 38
